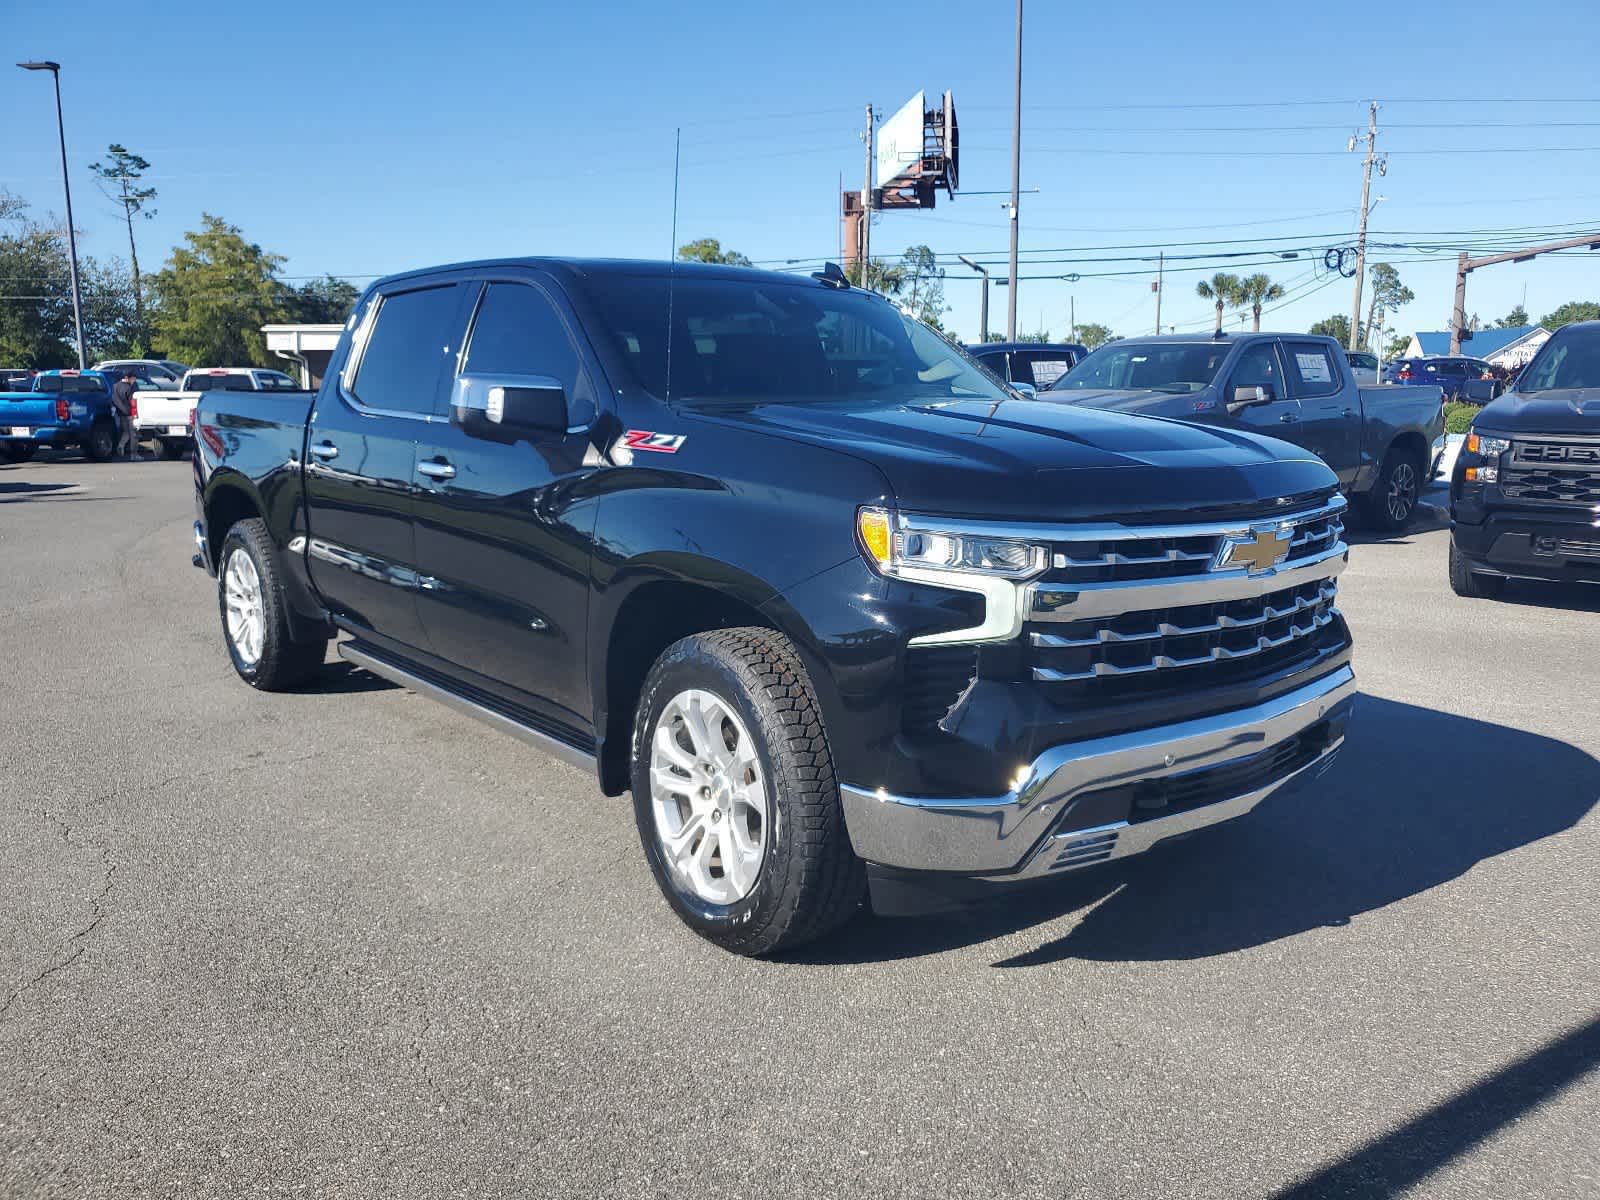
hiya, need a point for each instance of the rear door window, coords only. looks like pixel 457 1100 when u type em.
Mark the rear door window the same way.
pixel 1312 368
pixel 412 339
pixel 996 362
pixel 1040 368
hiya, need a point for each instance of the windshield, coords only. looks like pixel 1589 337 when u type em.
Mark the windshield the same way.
pixel 1177 367
pixel 271 381
pixel 737 341
pixel 226 381
pixel 1571 359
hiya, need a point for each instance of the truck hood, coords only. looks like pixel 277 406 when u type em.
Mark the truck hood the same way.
pixel 1027 460
pixel 1127 400
pixel 1567 410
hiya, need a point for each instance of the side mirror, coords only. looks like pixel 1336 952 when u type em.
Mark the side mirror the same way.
pixel 1244 397
pixel 1026 390
pixel 491 405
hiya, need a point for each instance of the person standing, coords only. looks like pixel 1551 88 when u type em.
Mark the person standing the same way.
pixel 122 404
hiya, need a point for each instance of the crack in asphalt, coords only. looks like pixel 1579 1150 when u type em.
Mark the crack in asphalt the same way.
pixel 97 911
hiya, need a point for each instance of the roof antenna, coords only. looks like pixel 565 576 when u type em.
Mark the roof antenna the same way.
pixel 672 256
pixel 832 276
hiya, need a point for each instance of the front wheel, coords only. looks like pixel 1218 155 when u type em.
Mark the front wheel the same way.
pixel 1464 581
pixel 735 795
pixel 255 616
pixel 1393 499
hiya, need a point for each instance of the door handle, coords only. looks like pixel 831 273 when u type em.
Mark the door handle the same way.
pixel 435 469
pixel 325 450
pixel 1288 418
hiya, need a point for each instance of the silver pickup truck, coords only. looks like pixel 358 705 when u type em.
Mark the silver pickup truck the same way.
pixel 1382 442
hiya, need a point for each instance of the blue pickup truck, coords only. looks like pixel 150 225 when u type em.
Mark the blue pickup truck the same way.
pixel 65 408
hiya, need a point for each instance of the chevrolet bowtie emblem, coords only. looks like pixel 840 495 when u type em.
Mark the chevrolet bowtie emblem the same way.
pixel 1255 549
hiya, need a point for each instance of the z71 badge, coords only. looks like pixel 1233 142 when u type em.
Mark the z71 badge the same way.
pixel 657 443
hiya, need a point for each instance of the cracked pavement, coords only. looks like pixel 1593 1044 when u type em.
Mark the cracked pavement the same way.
pixel 348 943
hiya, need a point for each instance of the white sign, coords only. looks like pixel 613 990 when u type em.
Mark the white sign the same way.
pixel 1313 368
pixel 900 141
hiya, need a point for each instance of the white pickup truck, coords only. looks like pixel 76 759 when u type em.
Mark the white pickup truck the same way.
pixel 165 417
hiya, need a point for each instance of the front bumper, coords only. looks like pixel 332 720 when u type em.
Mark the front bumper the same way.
pixel 1091 801
pixel 1549 544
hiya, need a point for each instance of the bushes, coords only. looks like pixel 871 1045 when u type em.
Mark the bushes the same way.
pixel 1458 415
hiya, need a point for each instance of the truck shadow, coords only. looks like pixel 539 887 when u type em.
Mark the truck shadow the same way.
pixel 1417 798
pixel 15 493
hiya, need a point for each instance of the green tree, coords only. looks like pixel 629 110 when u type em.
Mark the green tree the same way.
pixel 36 308
pixel 709 250
pixel 1515 319
pixel 1038 335
pixel 1572 310
pixel 325 301
pixel 1256 290
pixel 1397 345
pixel 1388 293
pixel 214 295
pixel 1223 290
pixel 885 279
pixel 1094 336
pixel 1337 327
pixel 923 285
pixel 113 322
pixel 119 178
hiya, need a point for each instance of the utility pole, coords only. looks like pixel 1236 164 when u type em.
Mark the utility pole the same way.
pixel 1072 318
pixel 1016 183
pixel 866 210
pixel 1361 238
pixel 1161 264
pixel 1464 265
pixel 983 301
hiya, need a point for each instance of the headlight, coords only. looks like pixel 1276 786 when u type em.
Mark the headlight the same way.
pixel 896 544
pixel 1490 449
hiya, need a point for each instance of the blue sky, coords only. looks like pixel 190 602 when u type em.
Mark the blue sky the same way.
pixel 362 139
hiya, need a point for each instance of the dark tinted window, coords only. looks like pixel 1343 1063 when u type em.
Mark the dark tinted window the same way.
pixel 1258 367
pixel 1571 359
pixel 735 341
pixel 519 331
pixel 413 339
pixel 70 383
pixel 272 381
pixel 996 362
pixel 1313 368
pixel 1040 367
pixel 1176 367
pixel 221 381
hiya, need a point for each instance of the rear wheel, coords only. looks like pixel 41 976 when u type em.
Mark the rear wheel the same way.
pixel 1393 499
pixel 735 795
pixel 101 443
pixel 1464 581
pixel 255 616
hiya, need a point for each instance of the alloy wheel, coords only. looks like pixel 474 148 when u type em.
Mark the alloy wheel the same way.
pixel 247 621
pixel 1402 496
pixel 709 797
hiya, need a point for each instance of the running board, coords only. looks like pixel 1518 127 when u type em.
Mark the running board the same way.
pixel 555 747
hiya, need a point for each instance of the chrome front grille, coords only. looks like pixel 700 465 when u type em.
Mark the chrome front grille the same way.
pixel 1125 611
pixel 1190 636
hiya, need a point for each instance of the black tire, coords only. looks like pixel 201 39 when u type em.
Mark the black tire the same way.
pixel 1464 581
pixel 809 881
pixel 170 448
pixel 20 452
pixel 101 443
pixel 1392 502
pixel 282 662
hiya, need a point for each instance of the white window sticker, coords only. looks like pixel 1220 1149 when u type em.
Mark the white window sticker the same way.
pixel 1313 368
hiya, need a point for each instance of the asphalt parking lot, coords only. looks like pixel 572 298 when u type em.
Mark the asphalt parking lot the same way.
pixel 349 943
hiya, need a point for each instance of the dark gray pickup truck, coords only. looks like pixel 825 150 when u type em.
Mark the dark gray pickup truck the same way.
pixel 1381 441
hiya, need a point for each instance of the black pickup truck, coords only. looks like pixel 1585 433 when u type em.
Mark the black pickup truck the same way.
pixel 1381 441
pixel 792 569
pixel 1525 491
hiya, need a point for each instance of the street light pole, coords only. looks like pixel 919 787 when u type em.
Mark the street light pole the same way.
pixel 66 183
pixel 1016 183
pixel 983 304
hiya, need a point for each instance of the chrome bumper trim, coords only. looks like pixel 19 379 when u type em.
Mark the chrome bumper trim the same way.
pixel 1077 601
pixel 998 835
pixel 202 549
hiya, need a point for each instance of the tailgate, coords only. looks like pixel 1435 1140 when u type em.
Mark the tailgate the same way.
pixel 167 411
pixel 26 410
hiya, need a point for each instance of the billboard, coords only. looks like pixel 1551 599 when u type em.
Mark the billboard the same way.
pixel 900 142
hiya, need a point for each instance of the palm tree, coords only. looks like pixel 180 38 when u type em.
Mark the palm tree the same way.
pixel 1224 289
pixel 1256 290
